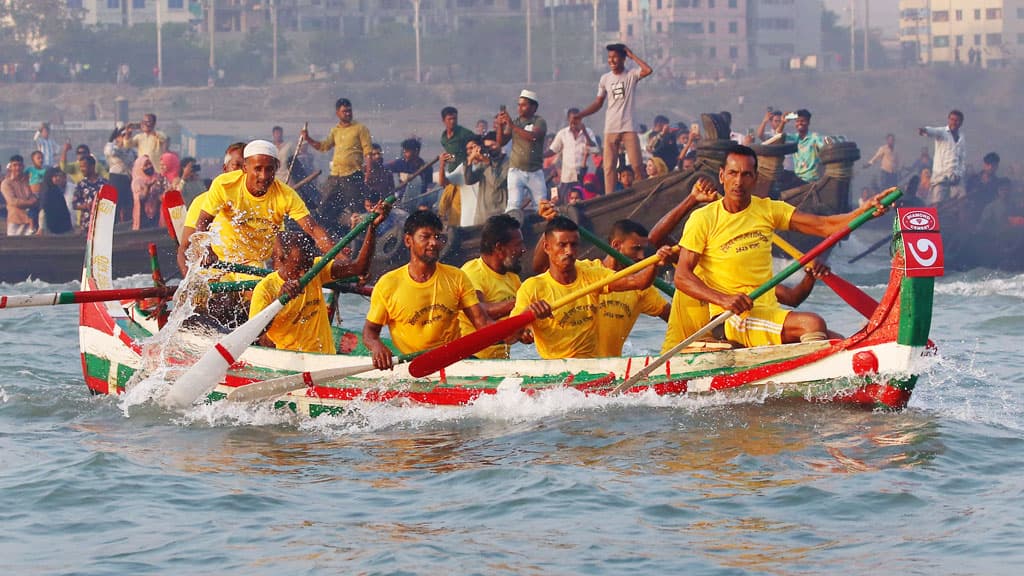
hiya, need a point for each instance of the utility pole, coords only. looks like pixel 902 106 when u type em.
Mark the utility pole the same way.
pixel 273 15
pixel 554 51
pixel 594 24
pixel 529 47
pixel 416 31
pixel 853 36
pixel 212 15
pixel 159 44
pixel 867 26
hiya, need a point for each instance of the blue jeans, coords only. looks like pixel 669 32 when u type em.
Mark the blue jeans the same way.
pixel 523 185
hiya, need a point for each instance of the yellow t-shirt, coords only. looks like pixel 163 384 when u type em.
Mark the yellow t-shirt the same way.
pixel 736 249
pixel 421 315
pixel 351 146
pixel 686 317
pixel 192 216
pixel 617 313
pixel 250 222
pixel 571 332
pixel 302 324
pixel 495 288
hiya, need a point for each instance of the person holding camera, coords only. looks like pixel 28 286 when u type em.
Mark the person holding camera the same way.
pixel 120 156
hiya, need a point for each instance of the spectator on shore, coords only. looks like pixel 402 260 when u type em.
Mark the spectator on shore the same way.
pixel 950 157
pixel 120 158
pixel 86 189
pixel 170 166
pixel 19 197
pixel 889 162
pixel 150 141
pixel 148 187
pixel 36 171
pixel 189 183
pixel 45 144
pixel 806 163
pixel 54 216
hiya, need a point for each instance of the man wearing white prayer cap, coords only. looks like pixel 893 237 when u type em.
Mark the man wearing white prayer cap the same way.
pixel 526 185
pixel 254 205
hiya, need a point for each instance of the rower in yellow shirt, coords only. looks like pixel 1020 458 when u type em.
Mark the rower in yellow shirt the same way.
pixel 255 205
pixel 495 275
pixel 572 331
pixel 303 324
pixel 232 161
pixel 420 302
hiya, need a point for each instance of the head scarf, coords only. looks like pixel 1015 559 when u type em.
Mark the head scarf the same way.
pixel 170 166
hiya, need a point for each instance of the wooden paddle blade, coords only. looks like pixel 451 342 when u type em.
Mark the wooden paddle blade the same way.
pixel 433 360
pixel 852 295
pixel 256 391
pixel 205 374
pixel 174 210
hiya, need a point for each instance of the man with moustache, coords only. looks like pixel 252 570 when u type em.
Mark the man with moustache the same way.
pixel 254 205
pixel 421 301
pixel 495 275
pixel 571 332
pixel 731 240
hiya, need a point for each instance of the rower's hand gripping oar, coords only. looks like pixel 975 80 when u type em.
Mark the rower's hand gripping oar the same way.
pixel 205 374
pixel 275 387
pixel 813 253
pixel 852 295
pixel 437 358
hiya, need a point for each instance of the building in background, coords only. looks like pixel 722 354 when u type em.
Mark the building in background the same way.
pixel 131 12
pixel 784 34
pixel 946 32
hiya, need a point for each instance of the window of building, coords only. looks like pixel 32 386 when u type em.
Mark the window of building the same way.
pixel 734 52
pixel 940 16
pixel 959 15
pixel 629 5
pixel 959 40
pixel 711 27
pixel 993 14
pixel 629 30
pixel 113 4
pixel 977 39
pixel 688 27
pixel 1020 13
pixel 138 4
pixel 941 41
pixel 711 3
pixel 733 28
pixel 1020 38
pixel 175 4
pixel 732 3
pixel 659 4
pixel 712 52
pixel 75 4
pixel 659 27
pixel 977 14
pixel 994 39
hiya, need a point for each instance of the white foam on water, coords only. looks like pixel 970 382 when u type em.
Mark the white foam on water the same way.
pixel 989 286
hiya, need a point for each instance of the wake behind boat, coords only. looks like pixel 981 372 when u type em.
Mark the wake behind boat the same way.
pixel 876 367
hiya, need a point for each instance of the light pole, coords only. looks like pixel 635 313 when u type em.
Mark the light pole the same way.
pixel 867 26
pixel 554 52
pixel 597 61
pixel 212 13
pixel 159 44
pixel 273 15
pixel 853 36
pixel 416 31
pixel 529 47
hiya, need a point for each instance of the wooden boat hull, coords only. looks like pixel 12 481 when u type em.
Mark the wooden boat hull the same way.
pixel 877 367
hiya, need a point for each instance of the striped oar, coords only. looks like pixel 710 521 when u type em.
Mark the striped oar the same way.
pixel 852 295
pixel 272 388
pixel 83 296
pixel 813 253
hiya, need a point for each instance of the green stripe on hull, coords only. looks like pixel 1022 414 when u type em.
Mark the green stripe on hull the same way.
pixel 99 367
pixel 916 299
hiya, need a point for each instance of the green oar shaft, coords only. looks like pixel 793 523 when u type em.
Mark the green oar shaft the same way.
pixel 623 259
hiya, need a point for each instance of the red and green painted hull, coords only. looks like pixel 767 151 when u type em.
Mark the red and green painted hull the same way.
pixel 877 367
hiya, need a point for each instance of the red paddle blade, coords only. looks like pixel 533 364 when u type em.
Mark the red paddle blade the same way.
pixel 852 295
pixel 174 210
pixel 433 360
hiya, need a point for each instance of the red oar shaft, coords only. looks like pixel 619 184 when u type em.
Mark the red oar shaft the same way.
pixel 57 298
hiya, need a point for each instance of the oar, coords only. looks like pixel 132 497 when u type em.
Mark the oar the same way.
pixel 622 258
pixel 437 358
pixel 852 295
pixel 813 253
pixel 295 154
pixel 204 375
pixel 272 388
pixel 174 209
pixel 84 296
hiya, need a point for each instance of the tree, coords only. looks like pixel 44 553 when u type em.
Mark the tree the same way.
pixel 31 23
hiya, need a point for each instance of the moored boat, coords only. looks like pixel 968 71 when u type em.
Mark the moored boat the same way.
pixel 876 367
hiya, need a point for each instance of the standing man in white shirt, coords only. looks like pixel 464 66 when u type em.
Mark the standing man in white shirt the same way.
pixel 574 142
pixel 949 158
pixel 46 145
pixel 618 86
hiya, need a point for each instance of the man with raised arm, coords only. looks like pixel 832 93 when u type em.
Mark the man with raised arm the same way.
pixel 950 158
pixel 617 87
pixel 350 166
pixel 420 302
pixel 731 240
pixel 526 184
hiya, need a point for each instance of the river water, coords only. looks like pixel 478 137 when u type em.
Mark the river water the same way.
pixel 555 484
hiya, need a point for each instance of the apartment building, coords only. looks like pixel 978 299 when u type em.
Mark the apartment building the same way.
pixel 784 34
pixel 131 12
pixel 946 32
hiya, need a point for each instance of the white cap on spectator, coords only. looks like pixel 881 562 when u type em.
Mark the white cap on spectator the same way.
pixel 529 95
pixel 259 147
